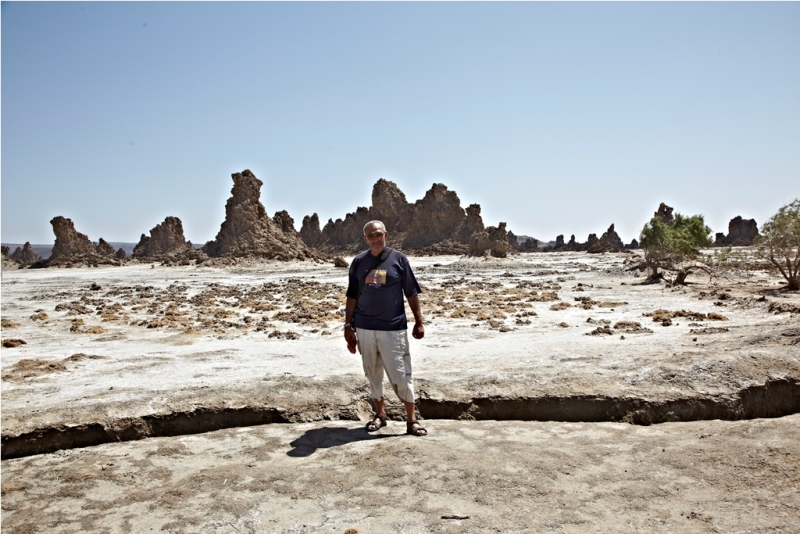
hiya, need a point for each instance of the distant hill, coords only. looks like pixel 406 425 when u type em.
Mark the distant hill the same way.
pixel 522 238
pixel 44 251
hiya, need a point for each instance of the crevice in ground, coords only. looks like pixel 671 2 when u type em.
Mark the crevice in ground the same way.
pixel 775 398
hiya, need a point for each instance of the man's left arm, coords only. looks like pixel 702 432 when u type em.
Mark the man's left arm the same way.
pixel 419 329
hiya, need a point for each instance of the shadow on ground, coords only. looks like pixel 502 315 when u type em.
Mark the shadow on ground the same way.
pixel 327 437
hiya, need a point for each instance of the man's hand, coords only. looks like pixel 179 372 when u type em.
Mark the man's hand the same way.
pixel 419 331
pixel 416 309
pixel 350 337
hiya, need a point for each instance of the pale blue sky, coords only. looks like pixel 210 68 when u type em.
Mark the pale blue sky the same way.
pixel 557 118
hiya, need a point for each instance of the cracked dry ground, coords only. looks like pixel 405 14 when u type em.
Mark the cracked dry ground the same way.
pixel 134 352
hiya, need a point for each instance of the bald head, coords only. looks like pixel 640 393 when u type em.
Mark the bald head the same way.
pixel 375 235
pixel 377 224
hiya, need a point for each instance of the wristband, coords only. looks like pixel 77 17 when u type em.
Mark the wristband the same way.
pixel 347 325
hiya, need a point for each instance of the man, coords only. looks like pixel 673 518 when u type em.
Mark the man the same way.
pixel 375 320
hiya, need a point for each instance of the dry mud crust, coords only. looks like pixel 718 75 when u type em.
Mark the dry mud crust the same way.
pixel 466 476
pixel 188 349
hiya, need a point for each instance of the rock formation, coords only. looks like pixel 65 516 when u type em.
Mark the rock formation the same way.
pixel 741 233
pixel 389 205
pixel 121 254
pixel 591 241
pixel 472 223
pixel 247 229
pixel 499 239
pixel 69 242
pixel 166 241
pixel 572 244
pixel 5 251
pixel 664 214
pixel 492 241
pixel 479 244
pixel 284 221
pixel 435 224
pixel 437 216
pixel 608 242
pixel 310 232
pixel 74 248
pixel 530 245
pixel 104 249
pixel 347 233
pixel 522 243
pixel 24 255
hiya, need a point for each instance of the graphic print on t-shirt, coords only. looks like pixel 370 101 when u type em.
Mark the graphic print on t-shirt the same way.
pixel 376 277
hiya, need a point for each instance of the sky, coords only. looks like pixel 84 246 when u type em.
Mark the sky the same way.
pixel 557 118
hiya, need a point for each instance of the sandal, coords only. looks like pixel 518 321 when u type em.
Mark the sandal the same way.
pixel 415 429
pixel 379 421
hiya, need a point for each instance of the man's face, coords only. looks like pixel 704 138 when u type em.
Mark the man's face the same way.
pixel 375 236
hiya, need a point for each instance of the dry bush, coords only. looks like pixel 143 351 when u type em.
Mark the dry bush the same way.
pixel 79 326
pixel 631 327
pixel 661 315
pixel 8 323
pixel 29 368
pixel 545 296
pixel 73 308
pixel 601 331
pixel 288 334
pixel 708 330
pixel 93 330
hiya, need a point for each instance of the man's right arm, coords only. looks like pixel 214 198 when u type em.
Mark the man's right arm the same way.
pixel 349 332
pixel 349 310
pixel 350 306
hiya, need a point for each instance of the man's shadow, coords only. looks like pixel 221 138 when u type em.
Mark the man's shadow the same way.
pixel 327 437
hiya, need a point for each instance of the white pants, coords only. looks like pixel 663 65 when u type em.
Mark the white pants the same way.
pixel 386 351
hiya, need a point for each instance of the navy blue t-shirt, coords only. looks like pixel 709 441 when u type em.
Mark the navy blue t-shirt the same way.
pixel 380 306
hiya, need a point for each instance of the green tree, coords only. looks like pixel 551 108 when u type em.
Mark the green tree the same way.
pixel 779 242
pixel 673 246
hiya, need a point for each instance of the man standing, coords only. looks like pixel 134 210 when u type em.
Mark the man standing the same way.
pixel 375 320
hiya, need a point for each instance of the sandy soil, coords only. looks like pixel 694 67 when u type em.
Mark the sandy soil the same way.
pixel 477 476
pixel 141 351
